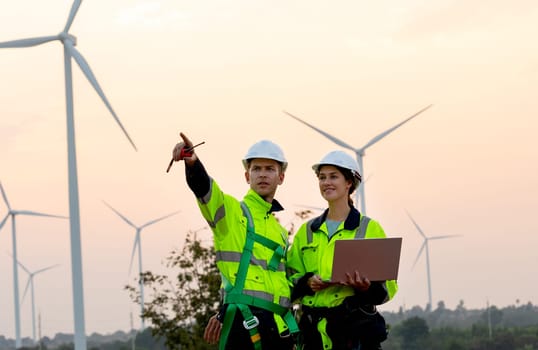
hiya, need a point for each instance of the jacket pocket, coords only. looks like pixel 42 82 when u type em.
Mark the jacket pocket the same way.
pixel 310 255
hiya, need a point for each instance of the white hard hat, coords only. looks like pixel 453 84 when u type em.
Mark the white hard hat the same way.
pixel 339 159
pixel 265 149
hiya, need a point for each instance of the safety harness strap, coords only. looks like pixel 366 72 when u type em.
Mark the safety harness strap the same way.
pixel 250 322
pixel 236 299
pixel 278 250
pixel 278 254
pixel 258 302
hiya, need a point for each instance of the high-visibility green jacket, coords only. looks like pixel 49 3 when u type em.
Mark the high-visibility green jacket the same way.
pixel 265 278
pixel 312 252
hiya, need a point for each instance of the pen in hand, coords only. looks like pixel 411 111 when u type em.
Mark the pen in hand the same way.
pixel 185 150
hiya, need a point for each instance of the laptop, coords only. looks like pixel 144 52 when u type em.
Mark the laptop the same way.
pixel 377 259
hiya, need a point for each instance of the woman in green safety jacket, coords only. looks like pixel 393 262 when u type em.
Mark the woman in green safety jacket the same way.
pixel 334 316
pixel 250 247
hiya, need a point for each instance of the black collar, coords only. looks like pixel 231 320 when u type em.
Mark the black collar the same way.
pixel 351 223
pixel 275 206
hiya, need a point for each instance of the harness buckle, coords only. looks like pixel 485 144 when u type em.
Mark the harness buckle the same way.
pixel 251 323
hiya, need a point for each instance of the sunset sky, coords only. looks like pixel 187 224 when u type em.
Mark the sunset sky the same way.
pixel 223 72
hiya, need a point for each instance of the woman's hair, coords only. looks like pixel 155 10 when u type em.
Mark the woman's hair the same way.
pixel 348 175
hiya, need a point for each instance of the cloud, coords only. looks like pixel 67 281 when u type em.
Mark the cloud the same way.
pixel 8 133
pixel 452 17
pixel 150 15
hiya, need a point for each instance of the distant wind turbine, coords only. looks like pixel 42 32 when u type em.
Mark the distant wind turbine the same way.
pixel 133 331
pixel 30 284
pixel 425 247
pixel 359 152
pixel 311 207
pixel 69 42
pixel 137 243
pixel 13 213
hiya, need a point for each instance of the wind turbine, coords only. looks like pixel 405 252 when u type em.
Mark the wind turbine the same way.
pixel 137 243
pixel 30 284
pixel 13 213
pixel 425 247
pixel 69 41
pixel 311 207
pixel 359 152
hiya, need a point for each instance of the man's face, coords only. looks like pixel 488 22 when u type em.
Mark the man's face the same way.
pixel 264 176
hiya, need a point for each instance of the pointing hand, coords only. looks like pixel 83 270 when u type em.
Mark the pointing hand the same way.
pixel 183 151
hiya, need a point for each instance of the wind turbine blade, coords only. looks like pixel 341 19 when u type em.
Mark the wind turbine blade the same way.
pixel 157 220
pixel 385 133
pixel 91 78
pixel 416 225
pixel 330 137
pixel 33 213
pixel 23 267
pixel 121 216
pixel 4 221
pixel 46 268
pixel 419 252
pixel 136 242
pixel 445 236
pixel 72 14
pixel 5 197
pixel 310 207
pixel 29 42
pixel 26 288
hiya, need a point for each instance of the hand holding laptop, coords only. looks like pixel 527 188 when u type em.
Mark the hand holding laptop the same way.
pixel 357 281
pixel 316 283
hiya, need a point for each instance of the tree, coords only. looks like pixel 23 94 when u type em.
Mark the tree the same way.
pixel 441 307
pixel 179 307
pixel 493 315
pixel 413 331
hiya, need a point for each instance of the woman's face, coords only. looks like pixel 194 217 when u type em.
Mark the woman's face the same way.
pixel 333 185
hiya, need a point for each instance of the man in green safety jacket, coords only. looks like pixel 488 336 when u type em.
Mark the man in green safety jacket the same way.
pixel 336 316
pixel 250 247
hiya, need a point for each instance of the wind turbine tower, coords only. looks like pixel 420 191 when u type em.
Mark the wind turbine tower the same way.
pixel 39 328
pixel 69 42
pixel 138 244
pixel 425 247
pixel 30 284
pixel 13 213
pixel 359 152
